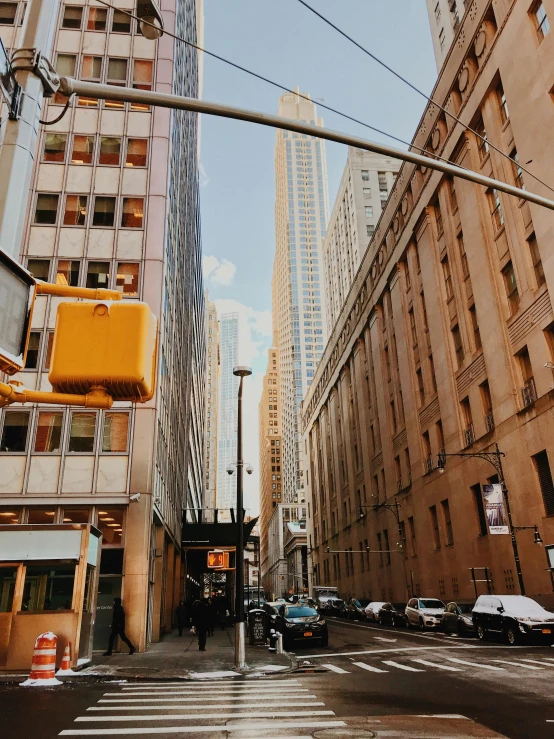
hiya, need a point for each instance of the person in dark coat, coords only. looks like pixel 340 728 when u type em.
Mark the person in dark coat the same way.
pixel 200 622
pixel 182 617
pixel 118 628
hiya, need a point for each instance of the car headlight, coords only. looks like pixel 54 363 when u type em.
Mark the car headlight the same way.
pixel 321 623
pixel 290 626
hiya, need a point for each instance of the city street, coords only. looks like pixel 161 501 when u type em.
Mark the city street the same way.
pixel 377 680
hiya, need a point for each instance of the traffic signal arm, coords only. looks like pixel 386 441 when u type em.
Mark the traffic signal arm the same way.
pixel 16 393
pixel 66 291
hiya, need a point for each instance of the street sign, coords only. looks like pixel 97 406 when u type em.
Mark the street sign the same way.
pixel 8 84
pixel 17 295
pixel 218 560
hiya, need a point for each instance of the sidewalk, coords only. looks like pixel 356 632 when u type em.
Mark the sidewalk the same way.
pixel 178 657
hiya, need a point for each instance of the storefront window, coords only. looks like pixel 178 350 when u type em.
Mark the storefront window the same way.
pixel 48 588
pixel 7 588
pixel 110 523
pixel 42 515
pixel 76 515
pixel 10 515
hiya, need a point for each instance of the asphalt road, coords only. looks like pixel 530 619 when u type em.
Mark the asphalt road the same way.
pixel 374 682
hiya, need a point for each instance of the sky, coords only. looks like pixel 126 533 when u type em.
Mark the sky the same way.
pixel 284 41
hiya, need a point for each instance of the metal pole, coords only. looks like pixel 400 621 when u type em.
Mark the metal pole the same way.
pixel 17 153
pixel 240 650
pixel 165 100
pixel 512 531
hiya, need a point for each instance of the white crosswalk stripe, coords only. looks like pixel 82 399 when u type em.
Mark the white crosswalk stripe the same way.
pixel 480 665
pixel 437 665
pixel 367 667
pixel 518 664
pixel 333 668
pixel 264 709
pixel 400 666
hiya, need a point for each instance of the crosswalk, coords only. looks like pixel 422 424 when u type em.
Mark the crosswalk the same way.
pixel 475 665
pixel 276 708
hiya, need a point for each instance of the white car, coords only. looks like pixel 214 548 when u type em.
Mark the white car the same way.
pixel 372 609
pixel 424 613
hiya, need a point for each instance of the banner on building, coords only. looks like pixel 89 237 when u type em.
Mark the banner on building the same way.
pixel 495 509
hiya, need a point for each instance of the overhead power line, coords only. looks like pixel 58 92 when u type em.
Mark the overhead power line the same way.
pixel 420 92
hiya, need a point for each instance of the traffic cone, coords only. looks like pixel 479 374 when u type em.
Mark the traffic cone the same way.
pixel 43 667
pixel 65 667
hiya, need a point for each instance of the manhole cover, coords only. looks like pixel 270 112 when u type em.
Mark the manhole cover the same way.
pixel 344 733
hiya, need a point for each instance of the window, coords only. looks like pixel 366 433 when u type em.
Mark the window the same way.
pixel 7 578
pixel 369 211
pixel 435 526
pixel 495 206
pixel 110 151
pixel 411 527
pixel 475 327
pixel 437 12
pixel 427 452
pixel 482 141
pixel 49 431
pixel 76 515
pixel 54 147
pixel 83 148
pixel 463 255
pixel 480 509
pixel 46 211
pixel 98 274
pixel 440 435
pixel 7 14
pixel 442 38
pixel 136 153
pixel 31 360
pixel 387 546
pixel 75 210
pixel 486 401
pixel 65 65
pixel 48 587
pixel 117 72
pixel 142 80
pixel 447 278
pixel 541 20
pixel 458 346
pixel 420 387
pixel 92 68
pixel 97 19
pixel 369 229
pixel 544 474
pixel 365 175
pixel 72 17
pixel 39 268
pixel 67 272
pixel 536 260
pixel 114 436
pixel 42 515
pixel 104 211
pixel 48 353
pixel 127 279
pixel 438 219
pixel 453 196
pixel 14 431
pixel 413 327
pixel 121 22
pixel 81 432
pixel 510 285
pixel 433 376
pixel 132 214
pixel 447 523
pixel 366 192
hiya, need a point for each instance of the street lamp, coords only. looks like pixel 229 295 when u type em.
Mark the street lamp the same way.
pixel 240 653
pixel 495 458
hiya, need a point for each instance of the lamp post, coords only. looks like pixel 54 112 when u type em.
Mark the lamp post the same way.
pixel 495 458
pixel 240 654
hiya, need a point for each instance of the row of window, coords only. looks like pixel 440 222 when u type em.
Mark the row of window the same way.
pixel 75 211
pixel 122 276
pixel 48 432
pixel 101 150
pixel 75 18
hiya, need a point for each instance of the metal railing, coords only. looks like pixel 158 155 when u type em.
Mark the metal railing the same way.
pixel 469 435
pixel 529 393
pixel 489 421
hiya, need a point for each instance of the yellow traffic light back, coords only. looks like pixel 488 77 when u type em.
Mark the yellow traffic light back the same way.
pixel 109 345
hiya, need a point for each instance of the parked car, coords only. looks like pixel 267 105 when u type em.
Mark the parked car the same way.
pixel 457 618
pixel 362 603
pixel 331 607
pixel 424 613
pixel 301 623
pixel 516 617
pixel 372 610
pixel 351 610
pixel 272 611
pixel 392 614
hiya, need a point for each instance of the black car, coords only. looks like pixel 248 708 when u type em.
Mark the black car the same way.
pixel 516 617
pixel 457 618
pixel 392 614
pixel 332 607
pixel 301 623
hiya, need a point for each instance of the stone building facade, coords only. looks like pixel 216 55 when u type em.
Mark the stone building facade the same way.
pixel 444 344
pixel 444 21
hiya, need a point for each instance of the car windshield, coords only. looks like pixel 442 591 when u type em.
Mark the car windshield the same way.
pixel 465 607
pixel 300 612
pixel 523 606
pixel 431 603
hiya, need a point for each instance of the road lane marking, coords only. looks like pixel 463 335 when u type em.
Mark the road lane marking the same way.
pixel 242 726
pixel 436 664
pixel 338 670
pixel 392 663
pixel 202 716
pixel 223 681
pixel 197 688
pixel 191 700
pixel 226 691
pixel 533 661
pixel 202 708
pixel 367 667
pixel 475 664
pixel 406 632
pixel 386 651
pixel 518 664
pixel 382 638
pixel 442 715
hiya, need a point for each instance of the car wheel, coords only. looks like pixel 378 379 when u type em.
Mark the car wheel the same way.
pixel 481 633
pixel 512 636
pixel 421 625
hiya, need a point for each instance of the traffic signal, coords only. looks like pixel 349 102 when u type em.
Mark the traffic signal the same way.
pixel 218 560
pixel 17 296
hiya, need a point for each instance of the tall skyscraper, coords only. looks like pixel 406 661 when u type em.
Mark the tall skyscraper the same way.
pixel 444 18
pixel 364 189
pixel 212 405
pixel 299 326
pixel 271 478
pixel 114 204
pixel 227 421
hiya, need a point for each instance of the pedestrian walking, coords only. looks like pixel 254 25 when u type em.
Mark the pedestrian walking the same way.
pixel 200 622
pixel 118 628
pixel 182 617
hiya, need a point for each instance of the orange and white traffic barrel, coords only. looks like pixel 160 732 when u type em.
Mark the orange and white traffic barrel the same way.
pixel 43 667
pixel 65 667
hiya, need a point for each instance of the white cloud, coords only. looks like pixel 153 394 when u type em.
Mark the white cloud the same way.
pixel 218 273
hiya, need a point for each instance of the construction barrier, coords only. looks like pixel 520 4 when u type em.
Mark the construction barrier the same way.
pixel 43 667
pixel 65 667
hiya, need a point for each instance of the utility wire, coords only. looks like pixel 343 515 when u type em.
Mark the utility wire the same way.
pixel 420 92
